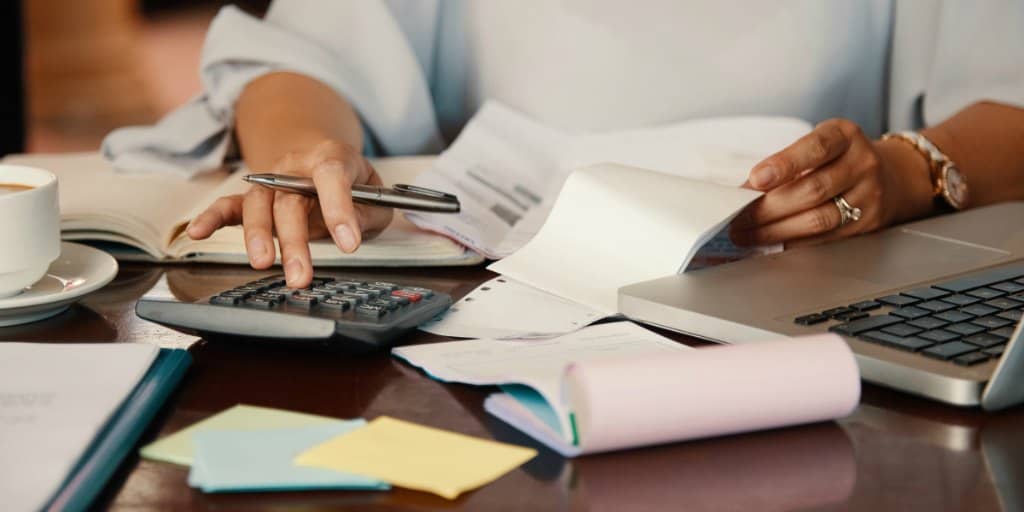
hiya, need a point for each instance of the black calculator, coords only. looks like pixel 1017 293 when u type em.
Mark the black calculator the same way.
pixel 333 312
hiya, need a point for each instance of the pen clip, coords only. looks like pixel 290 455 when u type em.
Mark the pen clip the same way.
pixel 423 191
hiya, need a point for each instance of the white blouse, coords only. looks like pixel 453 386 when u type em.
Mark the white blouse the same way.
pixel 417 70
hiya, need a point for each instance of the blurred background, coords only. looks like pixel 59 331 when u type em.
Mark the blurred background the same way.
pixel 81 68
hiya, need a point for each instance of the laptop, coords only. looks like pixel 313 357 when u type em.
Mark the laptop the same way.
pixel 932 307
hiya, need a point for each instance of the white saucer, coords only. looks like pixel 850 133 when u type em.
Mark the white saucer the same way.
pixel 78 270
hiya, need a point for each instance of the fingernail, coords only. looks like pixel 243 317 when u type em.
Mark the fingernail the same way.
pixel 763 177
pixel 345 237
pixel 292 269
pixel 257 249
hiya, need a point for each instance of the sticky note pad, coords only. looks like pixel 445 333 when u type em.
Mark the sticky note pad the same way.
pixel 177 447
pixel 261 460
pixel 417 457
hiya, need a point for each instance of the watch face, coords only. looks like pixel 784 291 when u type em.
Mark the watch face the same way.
pixel 954 187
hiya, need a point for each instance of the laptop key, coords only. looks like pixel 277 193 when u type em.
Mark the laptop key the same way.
pixel 927 293
pixel 867 305
pixel 1014 315
pixel 965 329
pixel 928 322
pixel 939 335
pixel 986 293
pixel 935 306
pixel 1003 303
pixel 981 279
pixel 901 330
pixel 911 312
pixel 979 310
pixel 852 315
pixel 1005 332
pixel 995 351
pixel 897 300
pixel 961 300
pixel 870 323
pixel 910 344
pixel 834 312
pixel 1009 286
pixel 811 319
pixel 985 340
pixel 991 322
pixel 971 358
pixel 949 350
pixel 954 316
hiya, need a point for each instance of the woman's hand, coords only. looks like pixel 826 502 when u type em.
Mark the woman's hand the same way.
pixel 334 168
pixel 887 180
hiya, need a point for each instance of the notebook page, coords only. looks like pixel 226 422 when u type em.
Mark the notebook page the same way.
pixel 99 203
pixel 615 225
pixel 401 244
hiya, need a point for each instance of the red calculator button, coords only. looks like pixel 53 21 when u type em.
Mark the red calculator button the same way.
pixel 413 296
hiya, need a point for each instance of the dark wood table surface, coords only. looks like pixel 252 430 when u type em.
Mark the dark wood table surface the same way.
pixel 895 452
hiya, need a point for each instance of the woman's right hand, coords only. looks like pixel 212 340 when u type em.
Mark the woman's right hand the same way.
pixel 295 219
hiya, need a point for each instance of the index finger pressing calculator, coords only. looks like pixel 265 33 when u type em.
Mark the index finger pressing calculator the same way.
pixel 347 314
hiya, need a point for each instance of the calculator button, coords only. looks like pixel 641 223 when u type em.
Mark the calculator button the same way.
pixel 954 316
pixel 369 291
pixel 225 300
pixel 256 302
pixel 383 285
pixel 276 299
pixel 363 297
pixel 336 304
pixel 355 300
pixel 320 280
pixel 935 306
pixel 1005 332
pixel 302 300
pixel 928 323
pixel 385 303
pixel 938 335
pixel 837 312
pixel 979 310
pixel 341 286
pixel 911 312
pixel 865 324
pixel 425 292
pixel 407 294
pixel 371 311
pixel 1012 315
pixel 233 293
pixel 965 329
pixel 1009 287
pixel 401 301
pixel 995 351
pixel 961 300
pixel 1002 303
pixel 324 290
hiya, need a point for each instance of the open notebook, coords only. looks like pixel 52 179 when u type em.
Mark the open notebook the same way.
pixel 142 216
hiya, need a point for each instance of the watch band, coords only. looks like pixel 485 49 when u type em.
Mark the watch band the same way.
pixel 940 166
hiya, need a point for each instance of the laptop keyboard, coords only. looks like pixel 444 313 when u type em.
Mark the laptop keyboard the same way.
pixel 966 321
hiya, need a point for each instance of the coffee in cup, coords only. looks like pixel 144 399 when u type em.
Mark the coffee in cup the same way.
pixel 29 226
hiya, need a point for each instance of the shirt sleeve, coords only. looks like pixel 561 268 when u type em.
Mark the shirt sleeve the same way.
pixel 379 61
pixel 948 55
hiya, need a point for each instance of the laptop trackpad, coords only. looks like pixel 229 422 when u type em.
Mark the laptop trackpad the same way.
pixel 896 257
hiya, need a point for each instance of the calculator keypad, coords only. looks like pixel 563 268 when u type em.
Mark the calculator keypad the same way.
pixel 326 296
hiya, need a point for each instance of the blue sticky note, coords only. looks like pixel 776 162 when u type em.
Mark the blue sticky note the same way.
pixel 261 460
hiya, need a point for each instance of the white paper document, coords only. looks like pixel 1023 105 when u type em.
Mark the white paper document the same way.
pixel 507 169
pixel 538 364
pixel 503 308
pixel 54 398
pixel 616 225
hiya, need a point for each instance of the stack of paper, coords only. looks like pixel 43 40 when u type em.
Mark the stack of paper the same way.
pixel 248 448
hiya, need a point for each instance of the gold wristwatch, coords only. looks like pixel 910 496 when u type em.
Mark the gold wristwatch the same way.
pixel 948 184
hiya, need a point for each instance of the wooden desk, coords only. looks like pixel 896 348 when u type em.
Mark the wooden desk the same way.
pixel 895 452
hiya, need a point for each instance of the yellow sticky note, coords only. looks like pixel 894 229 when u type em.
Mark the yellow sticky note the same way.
pixel 417 457
pixel 177 447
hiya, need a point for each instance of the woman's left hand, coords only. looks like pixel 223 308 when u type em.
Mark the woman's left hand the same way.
pixel 835 160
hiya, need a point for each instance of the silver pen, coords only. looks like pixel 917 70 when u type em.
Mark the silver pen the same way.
pixel 405 197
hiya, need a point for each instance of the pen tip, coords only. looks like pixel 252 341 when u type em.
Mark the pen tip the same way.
pixel 247 178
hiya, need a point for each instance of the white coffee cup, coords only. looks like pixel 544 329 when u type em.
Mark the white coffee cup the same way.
pixel 29 227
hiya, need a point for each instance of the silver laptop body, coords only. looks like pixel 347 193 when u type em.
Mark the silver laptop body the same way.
pixel 760 298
